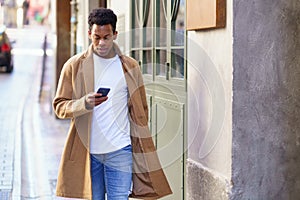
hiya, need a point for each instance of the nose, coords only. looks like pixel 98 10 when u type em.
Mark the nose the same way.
pixel 101 42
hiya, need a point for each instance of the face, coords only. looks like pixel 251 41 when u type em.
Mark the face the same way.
pixel 102 39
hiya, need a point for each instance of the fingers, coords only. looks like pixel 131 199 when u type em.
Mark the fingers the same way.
pixel 94 99
pixel 100 100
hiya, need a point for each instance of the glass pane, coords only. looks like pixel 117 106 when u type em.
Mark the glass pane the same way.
pixel 178 25
pixel 135 55
pixel 147 62
pixel 161 59
pixel 148 30
pixel 161 23
pixel 148 36
pixel 135 24
pixel 177 63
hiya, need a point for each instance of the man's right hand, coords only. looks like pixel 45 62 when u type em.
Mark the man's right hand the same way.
pixel 94 99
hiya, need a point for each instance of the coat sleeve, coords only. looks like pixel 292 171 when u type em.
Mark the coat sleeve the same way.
pixel 65 105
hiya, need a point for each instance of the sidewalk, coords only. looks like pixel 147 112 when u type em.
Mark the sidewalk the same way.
pixel 53 130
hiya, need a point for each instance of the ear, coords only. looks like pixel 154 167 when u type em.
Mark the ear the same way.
pixel 115 35
pixel 89 34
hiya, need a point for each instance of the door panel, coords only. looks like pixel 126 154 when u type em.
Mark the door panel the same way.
pixel 158 43
pixel 170 140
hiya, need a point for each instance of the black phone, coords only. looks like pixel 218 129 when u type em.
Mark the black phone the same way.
pixel 103 91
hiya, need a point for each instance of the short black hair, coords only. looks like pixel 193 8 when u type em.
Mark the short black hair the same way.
pixel 102 16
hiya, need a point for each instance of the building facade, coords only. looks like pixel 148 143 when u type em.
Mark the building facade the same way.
pixel 223 97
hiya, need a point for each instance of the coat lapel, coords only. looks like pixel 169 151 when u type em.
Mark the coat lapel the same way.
pixel 88 70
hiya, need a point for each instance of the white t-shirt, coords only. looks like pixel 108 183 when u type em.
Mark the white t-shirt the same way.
pixel 110 129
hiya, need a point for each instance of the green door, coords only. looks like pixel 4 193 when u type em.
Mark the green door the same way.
pixel 158 43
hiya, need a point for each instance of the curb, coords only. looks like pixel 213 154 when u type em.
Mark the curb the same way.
pixel 16 193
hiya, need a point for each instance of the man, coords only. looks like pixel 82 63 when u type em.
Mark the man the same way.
pixel 109 150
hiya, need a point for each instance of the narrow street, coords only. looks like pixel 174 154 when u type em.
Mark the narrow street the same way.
pixel 31 137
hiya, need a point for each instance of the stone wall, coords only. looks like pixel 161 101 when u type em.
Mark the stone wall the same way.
pixel 205 184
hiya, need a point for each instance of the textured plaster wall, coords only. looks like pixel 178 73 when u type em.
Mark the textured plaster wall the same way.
pixel 266 99
pixel 209 85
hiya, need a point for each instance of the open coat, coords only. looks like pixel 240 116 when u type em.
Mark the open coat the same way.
pixel 74 179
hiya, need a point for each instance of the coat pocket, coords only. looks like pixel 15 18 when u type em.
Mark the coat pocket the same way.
pixel 71 148
pixel 74 147
pixel 76 151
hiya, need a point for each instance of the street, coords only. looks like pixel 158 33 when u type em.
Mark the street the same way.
pixel 31 138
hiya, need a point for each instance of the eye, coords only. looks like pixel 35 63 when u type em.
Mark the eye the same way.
pixel 108 37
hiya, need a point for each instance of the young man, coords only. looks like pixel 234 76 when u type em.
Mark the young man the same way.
pixel 109 150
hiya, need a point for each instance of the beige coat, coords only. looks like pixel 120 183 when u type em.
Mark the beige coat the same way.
pixel 77 80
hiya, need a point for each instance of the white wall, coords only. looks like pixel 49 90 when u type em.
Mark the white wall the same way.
pixel 209 56
pixel 122 10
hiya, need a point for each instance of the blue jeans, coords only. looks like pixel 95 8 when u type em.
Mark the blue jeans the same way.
pixel 111 174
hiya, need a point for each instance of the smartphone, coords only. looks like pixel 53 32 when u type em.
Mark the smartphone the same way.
pixel 103 91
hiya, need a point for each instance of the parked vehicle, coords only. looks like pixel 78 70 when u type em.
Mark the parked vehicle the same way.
pixel 6 59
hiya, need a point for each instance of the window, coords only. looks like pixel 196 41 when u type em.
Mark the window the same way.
pixel 158 37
